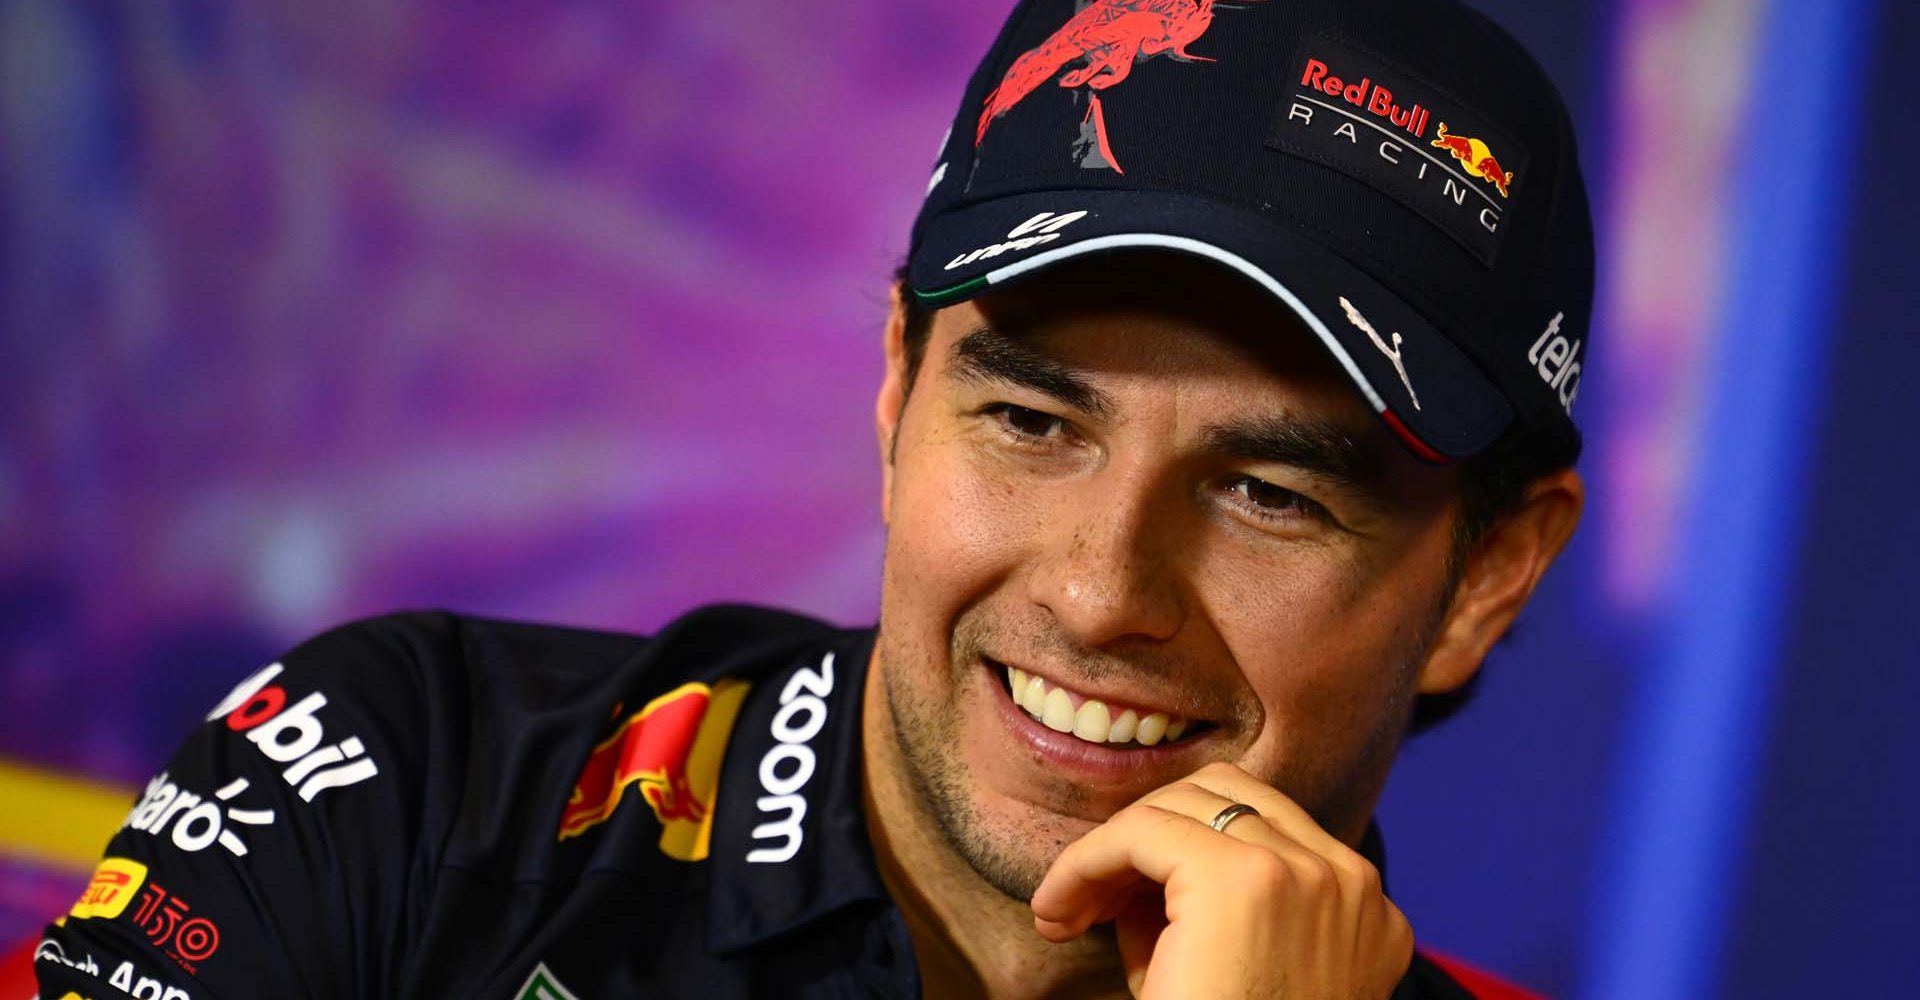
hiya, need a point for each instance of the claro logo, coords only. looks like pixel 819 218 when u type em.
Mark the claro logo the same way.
pixel 786 768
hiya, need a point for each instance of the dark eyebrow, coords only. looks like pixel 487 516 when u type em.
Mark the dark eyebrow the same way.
pixel 1317 447
pixel 987 355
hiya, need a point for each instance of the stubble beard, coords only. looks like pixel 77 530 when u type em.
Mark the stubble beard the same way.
pixel 928 735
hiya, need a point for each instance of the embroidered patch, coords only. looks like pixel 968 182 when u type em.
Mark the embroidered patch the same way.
pixel 1404 137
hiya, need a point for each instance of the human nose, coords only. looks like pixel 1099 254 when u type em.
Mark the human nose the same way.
pixel 1107 569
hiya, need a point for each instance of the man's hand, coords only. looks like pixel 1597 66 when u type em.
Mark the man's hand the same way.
pixel 1273 906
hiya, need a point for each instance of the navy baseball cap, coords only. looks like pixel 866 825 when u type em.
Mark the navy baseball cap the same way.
pixel 1399 173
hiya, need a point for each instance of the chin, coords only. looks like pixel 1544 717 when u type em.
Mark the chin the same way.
pixel 1007 841
pixel 1010 844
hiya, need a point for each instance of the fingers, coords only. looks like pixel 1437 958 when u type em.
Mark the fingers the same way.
pixel 1282 813
pixel 1314 861
pixel 1168 831
pixel 1158 840
pixel 1094 876
pixel 1202 805
pixel 1277 812
pixel 1272 902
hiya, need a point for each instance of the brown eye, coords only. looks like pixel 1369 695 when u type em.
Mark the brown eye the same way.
pixel 1268 500
pixel 1029 423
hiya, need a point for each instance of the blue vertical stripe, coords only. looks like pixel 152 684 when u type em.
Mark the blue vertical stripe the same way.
pixel 1692 753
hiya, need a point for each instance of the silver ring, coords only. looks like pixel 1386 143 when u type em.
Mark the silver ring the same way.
pixel 1231 813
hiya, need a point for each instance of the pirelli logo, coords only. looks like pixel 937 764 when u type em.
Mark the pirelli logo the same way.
pixel 115 883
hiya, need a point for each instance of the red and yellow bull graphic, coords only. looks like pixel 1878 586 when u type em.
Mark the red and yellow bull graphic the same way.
pixel 115 883
pixel 1476 157
pixel 672 749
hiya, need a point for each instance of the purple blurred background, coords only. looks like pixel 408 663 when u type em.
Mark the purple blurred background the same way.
pixel 571 311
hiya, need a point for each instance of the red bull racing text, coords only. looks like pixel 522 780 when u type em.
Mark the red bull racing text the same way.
pixel 1376 99
pixel 1382 125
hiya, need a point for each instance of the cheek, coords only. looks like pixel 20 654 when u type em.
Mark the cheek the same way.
pixel 955 533
pixel 1324 640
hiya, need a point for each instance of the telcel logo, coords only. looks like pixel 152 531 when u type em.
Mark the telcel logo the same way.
pixel 293 735
pixel 1557 361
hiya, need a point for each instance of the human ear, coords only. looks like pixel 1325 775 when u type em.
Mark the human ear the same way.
pixel 1500 575
pixel 893 394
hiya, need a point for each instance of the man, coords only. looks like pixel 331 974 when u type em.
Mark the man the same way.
pixel 1225 426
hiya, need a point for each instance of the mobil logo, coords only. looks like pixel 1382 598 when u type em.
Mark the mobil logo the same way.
pixel 293 734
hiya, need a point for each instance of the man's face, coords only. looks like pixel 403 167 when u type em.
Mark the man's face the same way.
pixel 1142 481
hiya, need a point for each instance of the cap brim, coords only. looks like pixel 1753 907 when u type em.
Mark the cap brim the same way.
pixel 1434 397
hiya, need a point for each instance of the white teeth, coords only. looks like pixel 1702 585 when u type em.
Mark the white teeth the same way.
pixel 1034 699
pixel 1091 722
pixel 1059 711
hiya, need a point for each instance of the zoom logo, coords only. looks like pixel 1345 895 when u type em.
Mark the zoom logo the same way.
pixel 789 765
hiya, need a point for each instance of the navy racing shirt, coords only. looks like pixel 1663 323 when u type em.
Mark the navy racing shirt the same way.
pixel 430 805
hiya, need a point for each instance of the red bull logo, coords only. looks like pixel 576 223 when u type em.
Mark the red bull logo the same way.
pixel 671 750
pixel 1110 36
pixel 1476 157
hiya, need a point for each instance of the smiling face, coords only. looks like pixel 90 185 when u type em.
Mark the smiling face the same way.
pixel 1143 482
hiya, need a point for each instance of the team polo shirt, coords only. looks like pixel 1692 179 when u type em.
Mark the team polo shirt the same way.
pixel 433 805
